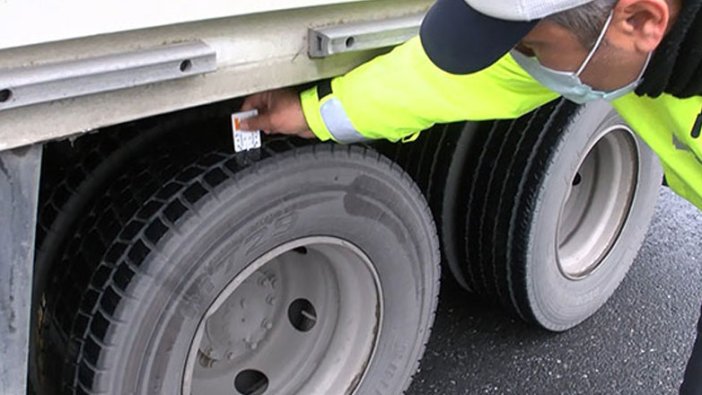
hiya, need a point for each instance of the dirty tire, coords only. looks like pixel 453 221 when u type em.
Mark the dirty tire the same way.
pixel 169 236
pixel 516 209
pixel 64 199
pixel 69 192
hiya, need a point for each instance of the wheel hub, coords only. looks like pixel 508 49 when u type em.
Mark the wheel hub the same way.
pixel 244 321
pixel 598 203
pixel 304 318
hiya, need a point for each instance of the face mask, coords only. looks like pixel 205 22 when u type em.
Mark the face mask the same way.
pixel 568 83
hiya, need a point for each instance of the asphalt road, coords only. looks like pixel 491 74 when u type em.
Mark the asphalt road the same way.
pixel 637 343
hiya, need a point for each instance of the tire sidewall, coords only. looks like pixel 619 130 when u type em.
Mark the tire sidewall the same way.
pixel 559 303
pixel 330 200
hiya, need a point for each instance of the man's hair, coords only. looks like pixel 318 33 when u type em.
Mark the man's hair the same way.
pixel 585 21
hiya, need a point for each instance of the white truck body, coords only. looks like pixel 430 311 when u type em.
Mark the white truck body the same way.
pixel 258 45
pixel 81 19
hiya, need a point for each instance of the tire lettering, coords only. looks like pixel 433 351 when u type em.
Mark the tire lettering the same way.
pixel 393 368
pixel 273 225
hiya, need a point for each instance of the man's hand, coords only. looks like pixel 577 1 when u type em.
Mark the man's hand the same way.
pixel 279 112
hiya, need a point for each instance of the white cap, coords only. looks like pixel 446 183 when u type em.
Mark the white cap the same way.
pixel 523 10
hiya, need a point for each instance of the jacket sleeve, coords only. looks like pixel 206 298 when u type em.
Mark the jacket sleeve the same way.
pixel 666 125
pixel 399 94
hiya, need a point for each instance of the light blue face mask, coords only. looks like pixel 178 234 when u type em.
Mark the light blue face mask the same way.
pixel 568 83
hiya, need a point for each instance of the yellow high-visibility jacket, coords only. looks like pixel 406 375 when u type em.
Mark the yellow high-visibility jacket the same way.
pixel 399 94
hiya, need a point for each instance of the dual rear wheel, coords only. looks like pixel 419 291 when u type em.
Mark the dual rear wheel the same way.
pixel 543 215
pixel 315 270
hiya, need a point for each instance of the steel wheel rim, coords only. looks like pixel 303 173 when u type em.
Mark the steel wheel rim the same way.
pixel 597 203
pixel 309 324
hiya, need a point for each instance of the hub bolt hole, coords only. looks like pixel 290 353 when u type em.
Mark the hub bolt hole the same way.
pixel 251 382
pixel 577 180
pixel 302 315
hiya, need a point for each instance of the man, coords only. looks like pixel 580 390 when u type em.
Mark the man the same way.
pixel 496 59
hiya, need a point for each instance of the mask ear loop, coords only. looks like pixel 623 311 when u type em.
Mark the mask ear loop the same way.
pixel 599 41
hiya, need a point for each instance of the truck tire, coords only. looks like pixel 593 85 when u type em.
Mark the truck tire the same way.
pixel 493 186
pixel 558 209
pixel 92 164
pixel 440 162
pixel 312 271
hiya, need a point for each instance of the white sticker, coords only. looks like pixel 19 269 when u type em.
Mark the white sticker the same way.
pixel 245 140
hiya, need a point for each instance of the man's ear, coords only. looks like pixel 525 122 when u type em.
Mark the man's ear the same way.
pixel 639 25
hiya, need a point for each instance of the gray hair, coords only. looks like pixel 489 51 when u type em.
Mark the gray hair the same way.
pixel 585 21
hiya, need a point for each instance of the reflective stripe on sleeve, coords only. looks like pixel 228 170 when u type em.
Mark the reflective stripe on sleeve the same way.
pixel 338 123
pixel 310 107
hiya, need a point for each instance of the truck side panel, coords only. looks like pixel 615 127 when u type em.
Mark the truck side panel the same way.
pixel 81 18
pixel 254 53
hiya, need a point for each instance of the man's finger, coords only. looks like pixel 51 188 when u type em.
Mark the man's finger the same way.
pixel 261 122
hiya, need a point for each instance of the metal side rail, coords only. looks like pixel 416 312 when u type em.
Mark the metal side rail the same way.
pixel 40 84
